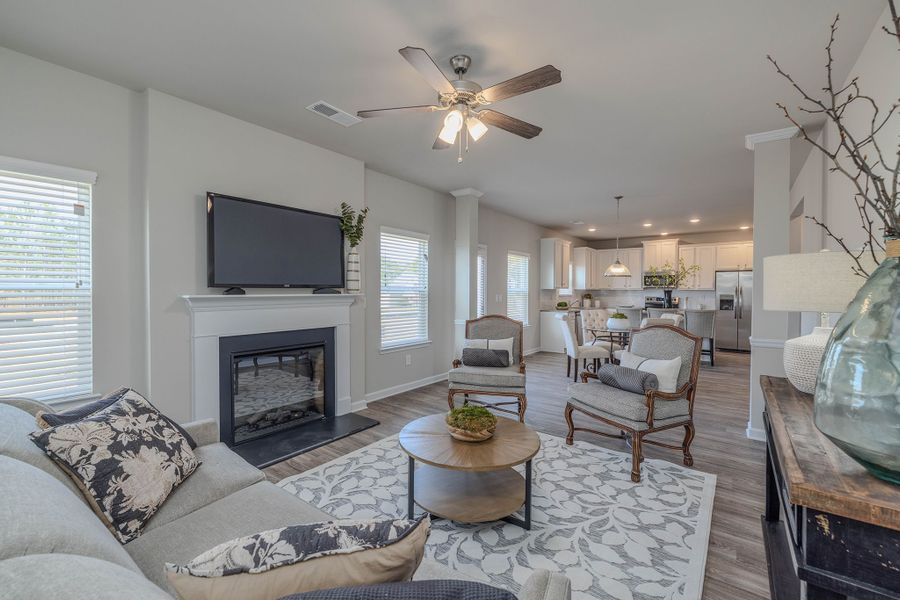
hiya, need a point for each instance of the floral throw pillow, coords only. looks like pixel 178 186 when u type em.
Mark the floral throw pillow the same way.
pixel 126 458
pixel 301 558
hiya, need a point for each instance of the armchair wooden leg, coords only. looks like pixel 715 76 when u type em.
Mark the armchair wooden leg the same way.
pixel 688 438
pixel 523 405
pixel 465 399
pixel 568 366
pixel 569 436
pixel 450 399
pixel 636 454
pixel 712 352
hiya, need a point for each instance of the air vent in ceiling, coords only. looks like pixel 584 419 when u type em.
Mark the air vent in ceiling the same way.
pixel 333 113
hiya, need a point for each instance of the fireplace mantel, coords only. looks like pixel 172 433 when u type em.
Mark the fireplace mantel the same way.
pixel 215 315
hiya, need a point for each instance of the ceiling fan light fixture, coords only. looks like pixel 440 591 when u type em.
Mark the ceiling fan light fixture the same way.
pixel 453 122
pixel 476 128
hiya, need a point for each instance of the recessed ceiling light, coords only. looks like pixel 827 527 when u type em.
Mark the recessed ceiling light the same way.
pixel 648 224
pixel 744 227
pixel 664 233
pixel 695 220
pixel 577 222
pixel 592 229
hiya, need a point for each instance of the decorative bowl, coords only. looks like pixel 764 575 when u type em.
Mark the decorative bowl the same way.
pixel 471 423
pixel 618 324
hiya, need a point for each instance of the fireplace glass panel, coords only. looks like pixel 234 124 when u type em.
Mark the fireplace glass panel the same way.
pixel 277 389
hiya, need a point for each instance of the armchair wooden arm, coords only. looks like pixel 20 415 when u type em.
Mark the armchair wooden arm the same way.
pixel 457 363
pixel 522 367
pixel 684 392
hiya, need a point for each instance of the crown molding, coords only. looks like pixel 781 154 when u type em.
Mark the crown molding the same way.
pixel 467 192
pixel 751 140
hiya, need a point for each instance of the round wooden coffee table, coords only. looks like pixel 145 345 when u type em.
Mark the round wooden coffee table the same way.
pixel 470 482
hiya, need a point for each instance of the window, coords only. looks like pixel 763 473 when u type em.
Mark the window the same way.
pixel 481 282
pixel 45 285
pixel 404 288
pixel 517 287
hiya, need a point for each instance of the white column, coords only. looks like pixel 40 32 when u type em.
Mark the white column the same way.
pixel 771 236
pixel 465 268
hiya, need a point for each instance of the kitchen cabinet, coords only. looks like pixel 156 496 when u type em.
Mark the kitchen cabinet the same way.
pixel 551 331
pixel 555 258
pixel 704 256
pixel 633 259
pixel 583 268
pixel 737 256
pixel 602 259
pixel 659 252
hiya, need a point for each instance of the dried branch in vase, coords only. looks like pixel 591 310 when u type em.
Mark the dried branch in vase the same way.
pixel 859 156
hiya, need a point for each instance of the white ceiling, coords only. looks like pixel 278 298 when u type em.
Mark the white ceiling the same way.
pixel 655 99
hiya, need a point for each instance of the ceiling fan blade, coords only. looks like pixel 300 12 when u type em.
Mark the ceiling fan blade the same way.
pixel 533 80
pixel 378 112
pixel 440 144
pixel 425 65
pixel 510 124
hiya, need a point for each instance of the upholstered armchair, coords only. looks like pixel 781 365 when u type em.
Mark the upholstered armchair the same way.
pixel 637 415
pixel 503 382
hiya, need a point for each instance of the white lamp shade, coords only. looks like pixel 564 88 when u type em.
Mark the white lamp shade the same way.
pixel 617 269
pixel 815 282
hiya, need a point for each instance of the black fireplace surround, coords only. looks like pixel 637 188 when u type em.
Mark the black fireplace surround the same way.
pixel 283 384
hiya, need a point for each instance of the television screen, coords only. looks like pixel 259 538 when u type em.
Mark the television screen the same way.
pixel 254 244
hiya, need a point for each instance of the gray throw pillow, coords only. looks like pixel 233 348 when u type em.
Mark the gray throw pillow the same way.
pixel 630 380
pixel 46 420
pixel 485 357
pixel 432 589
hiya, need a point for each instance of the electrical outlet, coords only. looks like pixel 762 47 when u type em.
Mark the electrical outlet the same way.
pixel 408 359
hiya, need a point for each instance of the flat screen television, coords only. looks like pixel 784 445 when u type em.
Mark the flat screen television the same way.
pixel 260 245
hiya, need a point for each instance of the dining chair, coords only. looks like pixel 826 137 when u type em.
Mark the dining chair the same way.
pixel 634 314
pixel 657 313
pixel 504 382
pixel 575 351
pixel 634 415
pixel 702 323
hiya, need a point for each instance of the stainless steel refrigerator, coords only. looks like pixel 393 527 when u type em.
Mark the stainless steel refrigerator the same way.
pixel 734 302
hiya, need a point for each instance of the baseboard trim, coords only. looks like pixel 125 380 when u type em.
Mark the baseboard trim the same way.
pixel 532 351
pixel 766 343
pixel 404 387
pixel 358 405
pixel 756 434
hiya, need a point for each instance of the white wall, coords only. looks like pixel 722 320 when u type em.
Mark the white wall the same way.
pixel 398 204
pixel 58 116
pixel 192 150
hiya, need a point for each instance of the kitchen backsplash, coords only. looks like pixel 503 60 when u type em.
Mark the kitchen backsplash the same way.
pixel 693 299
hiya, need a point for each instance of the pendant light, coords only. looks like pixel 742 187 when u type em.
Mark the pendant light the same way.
pixel 617 269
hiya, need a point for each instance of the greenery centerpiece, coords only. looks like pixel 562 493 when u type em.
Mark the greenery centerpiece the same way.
pixel 669 277
pixel 353 224
pixel 618 321
pixel 471 423
pixel 857 396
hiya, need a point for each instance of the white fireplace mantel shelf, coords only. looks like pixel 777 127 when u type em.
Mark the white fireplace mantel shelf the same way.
pixel 215 315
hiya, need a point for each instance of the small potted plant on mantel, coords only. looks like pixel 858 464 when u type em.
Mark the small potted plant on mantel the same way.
pixel 669 277
pixel 353 224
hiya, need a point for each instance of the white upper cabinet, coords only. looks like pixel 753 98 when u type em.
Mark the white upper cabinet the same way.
pixel 703 256
pixel 659 252
pixel 583 268
pixel 556 254
pixel 737 256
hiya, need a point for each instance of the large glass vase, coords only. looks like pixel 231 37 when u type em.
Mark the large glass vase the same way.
pixel 857 401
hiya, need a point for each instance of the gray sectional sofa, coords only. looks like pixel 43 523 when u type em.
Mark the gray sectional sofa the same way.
pixel 52 545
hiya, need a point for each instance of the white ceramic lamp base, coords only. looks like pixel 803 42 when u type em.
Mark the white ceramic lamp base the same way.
pixel 802 357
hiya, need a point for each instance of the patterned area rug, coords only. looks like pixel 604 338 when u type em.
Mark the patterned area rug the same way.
pixel 611 537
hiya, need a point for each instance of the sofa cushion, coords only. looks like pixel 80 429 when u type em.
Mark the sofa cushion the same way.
pixel 15 425
pixel 222 473
pixel 435 589
pixel 127 458
pixel 256 508
pixel 625 405
pixel 73 577
pixel 488 377
pixel 38 515
pixel 299 558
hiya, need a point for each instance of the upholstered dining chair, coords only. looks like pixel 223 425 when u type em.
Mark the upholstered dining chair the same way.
pixel 657 313
pixel 583 352
pixel 702 323
pixel 666 319
pixel 503 382
pixel 637 415
pixel 634 314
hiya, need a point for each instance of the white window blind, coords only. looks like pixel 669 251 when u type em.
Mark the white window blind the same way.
pixel 45 287
pixel 404 288
pixel 481 282
pixel 517 287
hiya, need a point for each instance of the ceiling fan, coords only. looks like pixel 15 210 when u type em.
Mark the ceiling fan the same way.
pixel 465 100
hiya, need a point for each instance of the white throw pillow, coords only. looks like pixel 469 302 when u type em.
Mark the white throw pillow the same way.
pixel 504 344
pixel 475 344
pixel 666 371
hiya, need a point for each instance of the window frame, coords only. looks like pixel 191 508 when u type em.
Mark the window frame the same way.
pixel 527 289
pixel 419 341
pixel 481 282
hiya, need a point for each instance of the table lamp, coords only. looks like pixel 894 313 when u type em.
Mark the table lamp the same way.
pixel 820 282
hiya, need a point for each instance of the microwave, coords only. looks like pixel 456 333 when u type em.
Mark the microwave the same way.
pixel 660 280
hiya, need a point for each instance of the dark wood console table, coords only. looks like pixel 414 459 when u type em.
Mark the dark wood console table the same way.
pixel 832 530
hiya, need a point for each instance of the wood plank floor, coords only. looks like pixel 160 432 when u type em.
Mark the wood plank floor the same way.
pixel 736 565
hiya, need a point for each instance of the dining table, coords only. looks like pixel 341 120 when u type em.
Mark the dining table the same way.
pixel 611 336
